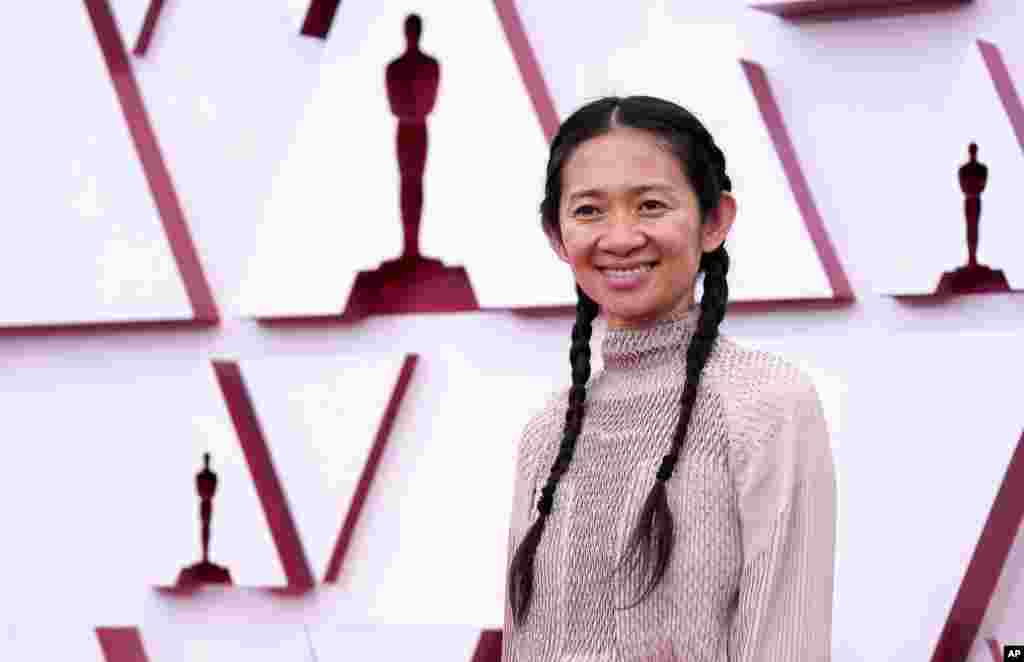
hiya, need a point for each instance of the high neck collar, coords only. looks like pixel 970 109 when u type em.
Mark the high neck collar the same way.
pixel 637 346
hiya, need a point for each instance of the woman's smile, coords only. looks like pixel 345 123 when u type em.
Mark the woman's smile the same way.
pixel 627 279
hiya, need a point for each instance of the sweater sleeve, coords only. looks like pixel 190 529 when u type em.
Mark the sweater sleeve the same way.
pixel 522 502
pixel 784 480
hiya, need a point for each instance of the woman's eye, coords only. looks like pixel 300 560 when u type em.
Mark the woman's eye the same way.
pixel 580 210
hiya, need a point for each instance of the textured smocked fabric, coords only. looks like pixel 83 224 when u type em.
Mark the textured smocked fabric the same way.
pixel 753 499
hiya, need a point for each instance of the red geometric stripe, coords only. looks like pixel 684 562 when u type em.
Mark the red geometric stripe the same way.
pixel 369 470
pixel 982 574
pixel 157 175
pixel 995 649
pixel 1004 87
pixel 319 18
pixel 148 25
pixel 776 126
pixel 123 644
pixel 529 69
pixel 261 467
pixel 853 9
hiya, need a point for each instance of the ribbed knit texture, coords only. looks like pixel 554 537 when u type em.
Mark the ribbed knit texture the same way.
pixel 752 496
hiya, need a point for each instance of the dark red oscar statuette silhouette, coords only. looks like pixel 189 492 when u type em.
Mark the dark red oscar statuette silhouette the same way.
pixel 972 277
pixel 412 283
pixel 204 572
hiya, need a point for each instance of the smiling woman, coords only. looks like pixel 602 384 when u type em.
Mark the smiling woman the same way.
pixel 732 560
pixel 630 204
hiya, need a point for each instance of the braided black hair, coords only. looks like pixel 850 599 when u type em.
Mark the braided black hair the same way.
pixel 703 162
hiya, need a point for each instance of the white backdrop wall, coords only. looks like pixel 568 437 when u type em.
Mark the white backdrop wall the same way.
pixel 105 430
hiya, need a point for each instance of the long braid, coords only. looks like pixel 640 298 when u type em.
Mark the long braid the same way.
pixel 655 530
pixel 520 585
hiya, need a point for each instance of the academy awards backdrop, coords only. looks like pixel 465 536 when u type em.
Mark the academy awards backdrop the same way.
pixel 277 304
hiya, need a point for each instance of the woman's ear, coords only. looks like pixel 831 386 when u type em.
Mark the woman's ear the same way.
pixel 719 223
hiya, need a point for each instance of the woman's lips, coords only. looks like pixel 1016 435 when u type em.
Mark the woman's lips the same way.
pixel 627 282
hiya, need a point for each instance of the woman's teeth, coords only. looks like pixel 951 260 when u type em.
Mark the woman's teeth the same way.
pixel 628 272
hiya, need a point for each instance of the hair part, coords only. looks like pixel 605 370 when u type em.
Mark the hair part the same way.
pixel 649 547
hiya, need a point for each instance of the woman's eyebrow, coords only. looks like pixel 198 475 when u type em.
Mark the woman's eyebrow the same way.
pixel 636 189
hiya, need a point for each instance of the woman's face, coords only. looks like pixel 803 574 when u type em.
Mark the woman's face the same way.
pixel 607 219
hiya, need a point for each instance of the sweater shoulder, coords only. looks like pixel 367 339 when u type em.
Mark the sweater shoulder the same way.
pixel 749 370
pixel 757 387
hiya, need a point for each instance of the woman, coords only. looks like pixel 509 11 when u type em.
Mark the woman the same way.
pixel 690 515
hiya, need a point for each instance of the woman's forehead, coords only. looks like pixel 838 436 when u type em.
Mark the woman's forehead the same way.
pixel 635 148
pixel 612 165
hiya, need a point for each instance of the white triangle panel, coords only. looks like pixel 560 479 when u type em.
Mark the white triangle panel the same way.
pixel 320 417
pixel 84 241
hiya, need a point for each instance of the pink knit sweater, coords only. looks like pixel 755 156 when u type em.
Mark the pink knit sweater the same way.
pixel 753 498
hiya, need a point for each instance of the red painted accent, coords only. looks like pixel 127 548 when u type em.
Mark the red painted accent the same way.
pixel 261 466
pixel 533 77
pixel 157 175
pixel 369 470
pixel 101 328
pixel 488 647
pixel 1004 87
pixel 776 126
pixel 982 574
pixel 319 18
pixel 148 25
pixel 739 308
pixel 995 649
pixel 854 9
pixel 123 644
